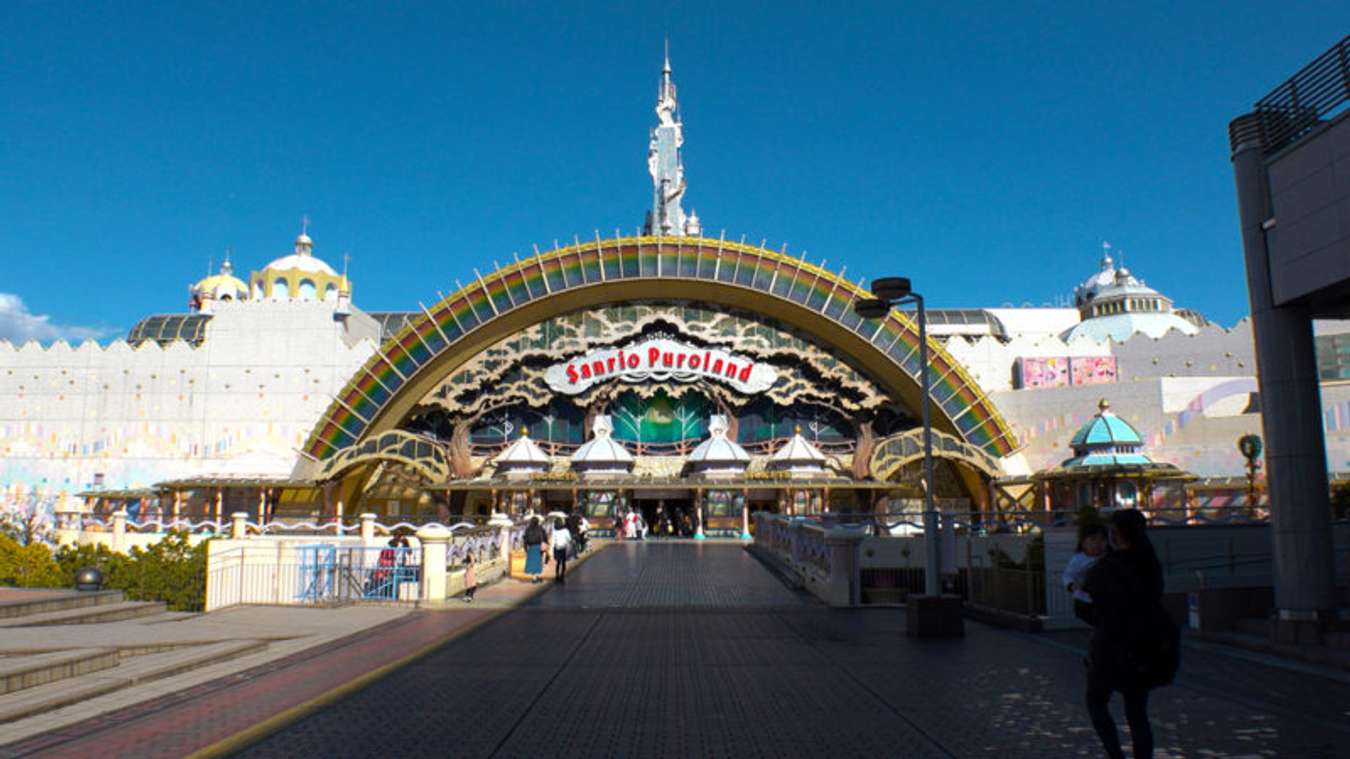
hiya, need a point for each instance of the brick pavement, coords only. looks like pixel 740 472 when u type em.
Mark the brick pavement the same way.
pixel 648 652
pixel 179 723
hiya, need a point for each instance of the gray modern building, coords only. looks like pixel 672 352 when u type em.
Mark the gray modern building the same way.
pixel 1291 158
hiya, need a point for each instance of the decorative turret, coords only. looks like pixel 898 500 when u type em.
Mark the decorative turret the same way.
pixel 718 456
pixel 666 165
pixel 1113 305
pixel 298 276
pixel 1106 440
pixel 522 459
pixel 1108 469
pixel 602 455
pixel 217 288
pixel 798 457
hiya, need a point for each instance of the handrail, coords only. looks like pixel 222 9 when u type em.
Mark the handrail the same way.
pixel 1301 102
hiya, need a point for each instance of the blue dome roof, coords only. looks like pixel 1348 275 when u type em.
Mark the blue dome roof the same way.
pixel 1105 429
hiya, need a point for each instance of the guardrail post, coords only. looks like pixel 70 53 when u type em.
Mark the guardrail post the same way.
pixel 238 525
pixel 119 531
pixel 503 524
pixel 845 568
pixel 367 528
pixel 435 542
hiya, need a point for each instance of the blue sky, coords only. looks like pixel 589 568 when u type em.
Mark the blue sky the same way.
pixel 985 150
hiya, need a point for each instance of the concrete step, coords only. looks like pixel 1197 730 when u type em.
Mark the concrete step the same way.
pixel 32 670
pixel 88 615
pixel 49 601
pixel 168 616
pixel 142 669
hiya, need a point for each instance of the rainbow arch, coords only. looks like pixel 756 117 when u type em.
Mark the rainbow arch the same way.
pixel 801 294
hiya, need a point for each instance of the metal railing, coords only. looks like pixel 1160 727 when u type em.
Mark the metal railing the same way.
pixel 322 574
pixel 1306 99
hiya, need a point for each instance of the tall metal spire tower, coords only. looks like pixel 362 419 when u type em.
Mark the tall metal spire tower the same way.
pixel 666 166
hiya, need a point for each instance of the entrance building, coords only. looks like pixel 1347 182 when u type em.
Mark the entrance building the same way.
pixel 686 378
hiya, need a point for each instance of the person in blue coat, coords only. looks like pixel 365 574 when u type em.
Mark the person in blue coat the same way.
pixel 534 549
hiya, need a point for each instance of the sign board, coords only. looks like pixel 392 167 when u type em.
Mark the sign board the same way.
pixel 661 359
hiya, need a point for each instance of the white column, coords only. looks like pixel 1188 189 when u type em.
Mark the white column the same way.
pixel 238 525
pixel 119 531
pixel 435 544
pixel 367 528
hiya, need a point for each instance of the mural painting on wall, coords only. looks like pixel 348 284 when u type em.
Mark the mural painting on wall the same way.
pixel 1092 370
pixel 1042 372
pixel 1058 371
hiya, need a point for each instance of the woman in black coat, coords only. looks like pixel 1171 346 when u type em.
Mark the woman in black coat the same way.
pixel 1126 585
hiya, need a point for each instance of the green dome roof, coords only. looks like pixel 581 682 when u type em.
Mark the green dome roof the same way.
pixel 1105 429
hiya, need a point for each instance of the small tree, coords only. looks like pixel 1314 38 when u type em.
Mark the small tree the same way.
pixel 27 566
pixel 28 521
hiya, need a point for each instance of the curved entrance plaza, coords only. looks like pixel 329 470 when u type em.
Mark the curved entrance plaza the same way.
pixel 687 649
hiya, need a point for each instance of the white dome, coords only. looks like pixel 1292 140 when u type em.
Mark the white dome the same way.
pixel 1119 327
pixel 602 453
pixel 301 262
pixel 301 259
pixel 718 452
pixel 797 451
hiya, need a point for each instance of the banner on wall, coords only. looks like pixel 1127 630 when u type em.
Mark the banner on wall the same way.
pixel 1092 370
pixel 1058 371
pixel 1041 372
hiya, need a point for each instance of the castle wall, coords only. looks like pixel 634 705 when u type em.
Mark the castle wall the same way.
pixel 243 401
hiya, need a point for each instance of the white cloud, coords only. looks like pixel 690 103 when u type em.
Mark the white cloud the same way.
pixel 19 325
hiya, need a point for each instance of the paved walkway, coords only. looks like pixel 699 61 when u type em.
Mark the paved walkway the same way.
pixel 685 650
pixel 238 695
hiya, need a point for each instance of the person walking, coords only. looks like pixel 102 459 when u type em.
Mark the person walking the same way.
pixel 470 577
pixel 574 529
pixel 534 550
pixel 562 543
pixel 1134 644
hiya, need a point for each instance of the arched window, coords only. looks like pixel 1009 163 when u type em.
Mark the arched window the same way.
pixel 280 289
pixel 330 292
pixel 307 290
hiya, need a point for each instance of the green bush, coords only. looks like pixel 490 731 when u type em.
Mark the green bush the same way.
pixel 172 571
pixel 27 566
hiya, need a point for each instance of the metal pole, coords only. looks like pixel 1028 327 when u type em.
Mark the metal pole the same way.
pixel 932 545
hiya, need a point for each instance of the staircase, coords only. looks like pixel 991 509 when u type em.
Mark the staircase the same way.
pixel 37 678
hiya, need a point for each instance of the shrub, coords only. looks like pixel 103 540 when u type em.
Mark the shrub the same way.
pixel 171 570
pixel 71 559
pixel 27 566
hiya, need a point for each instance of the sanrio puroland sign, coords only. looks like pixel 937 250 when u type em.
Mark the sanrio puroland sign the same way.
pixel 660 359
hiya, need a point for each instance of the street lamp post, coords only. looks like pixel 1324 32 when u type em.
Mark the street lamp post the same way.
pixel 889 292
